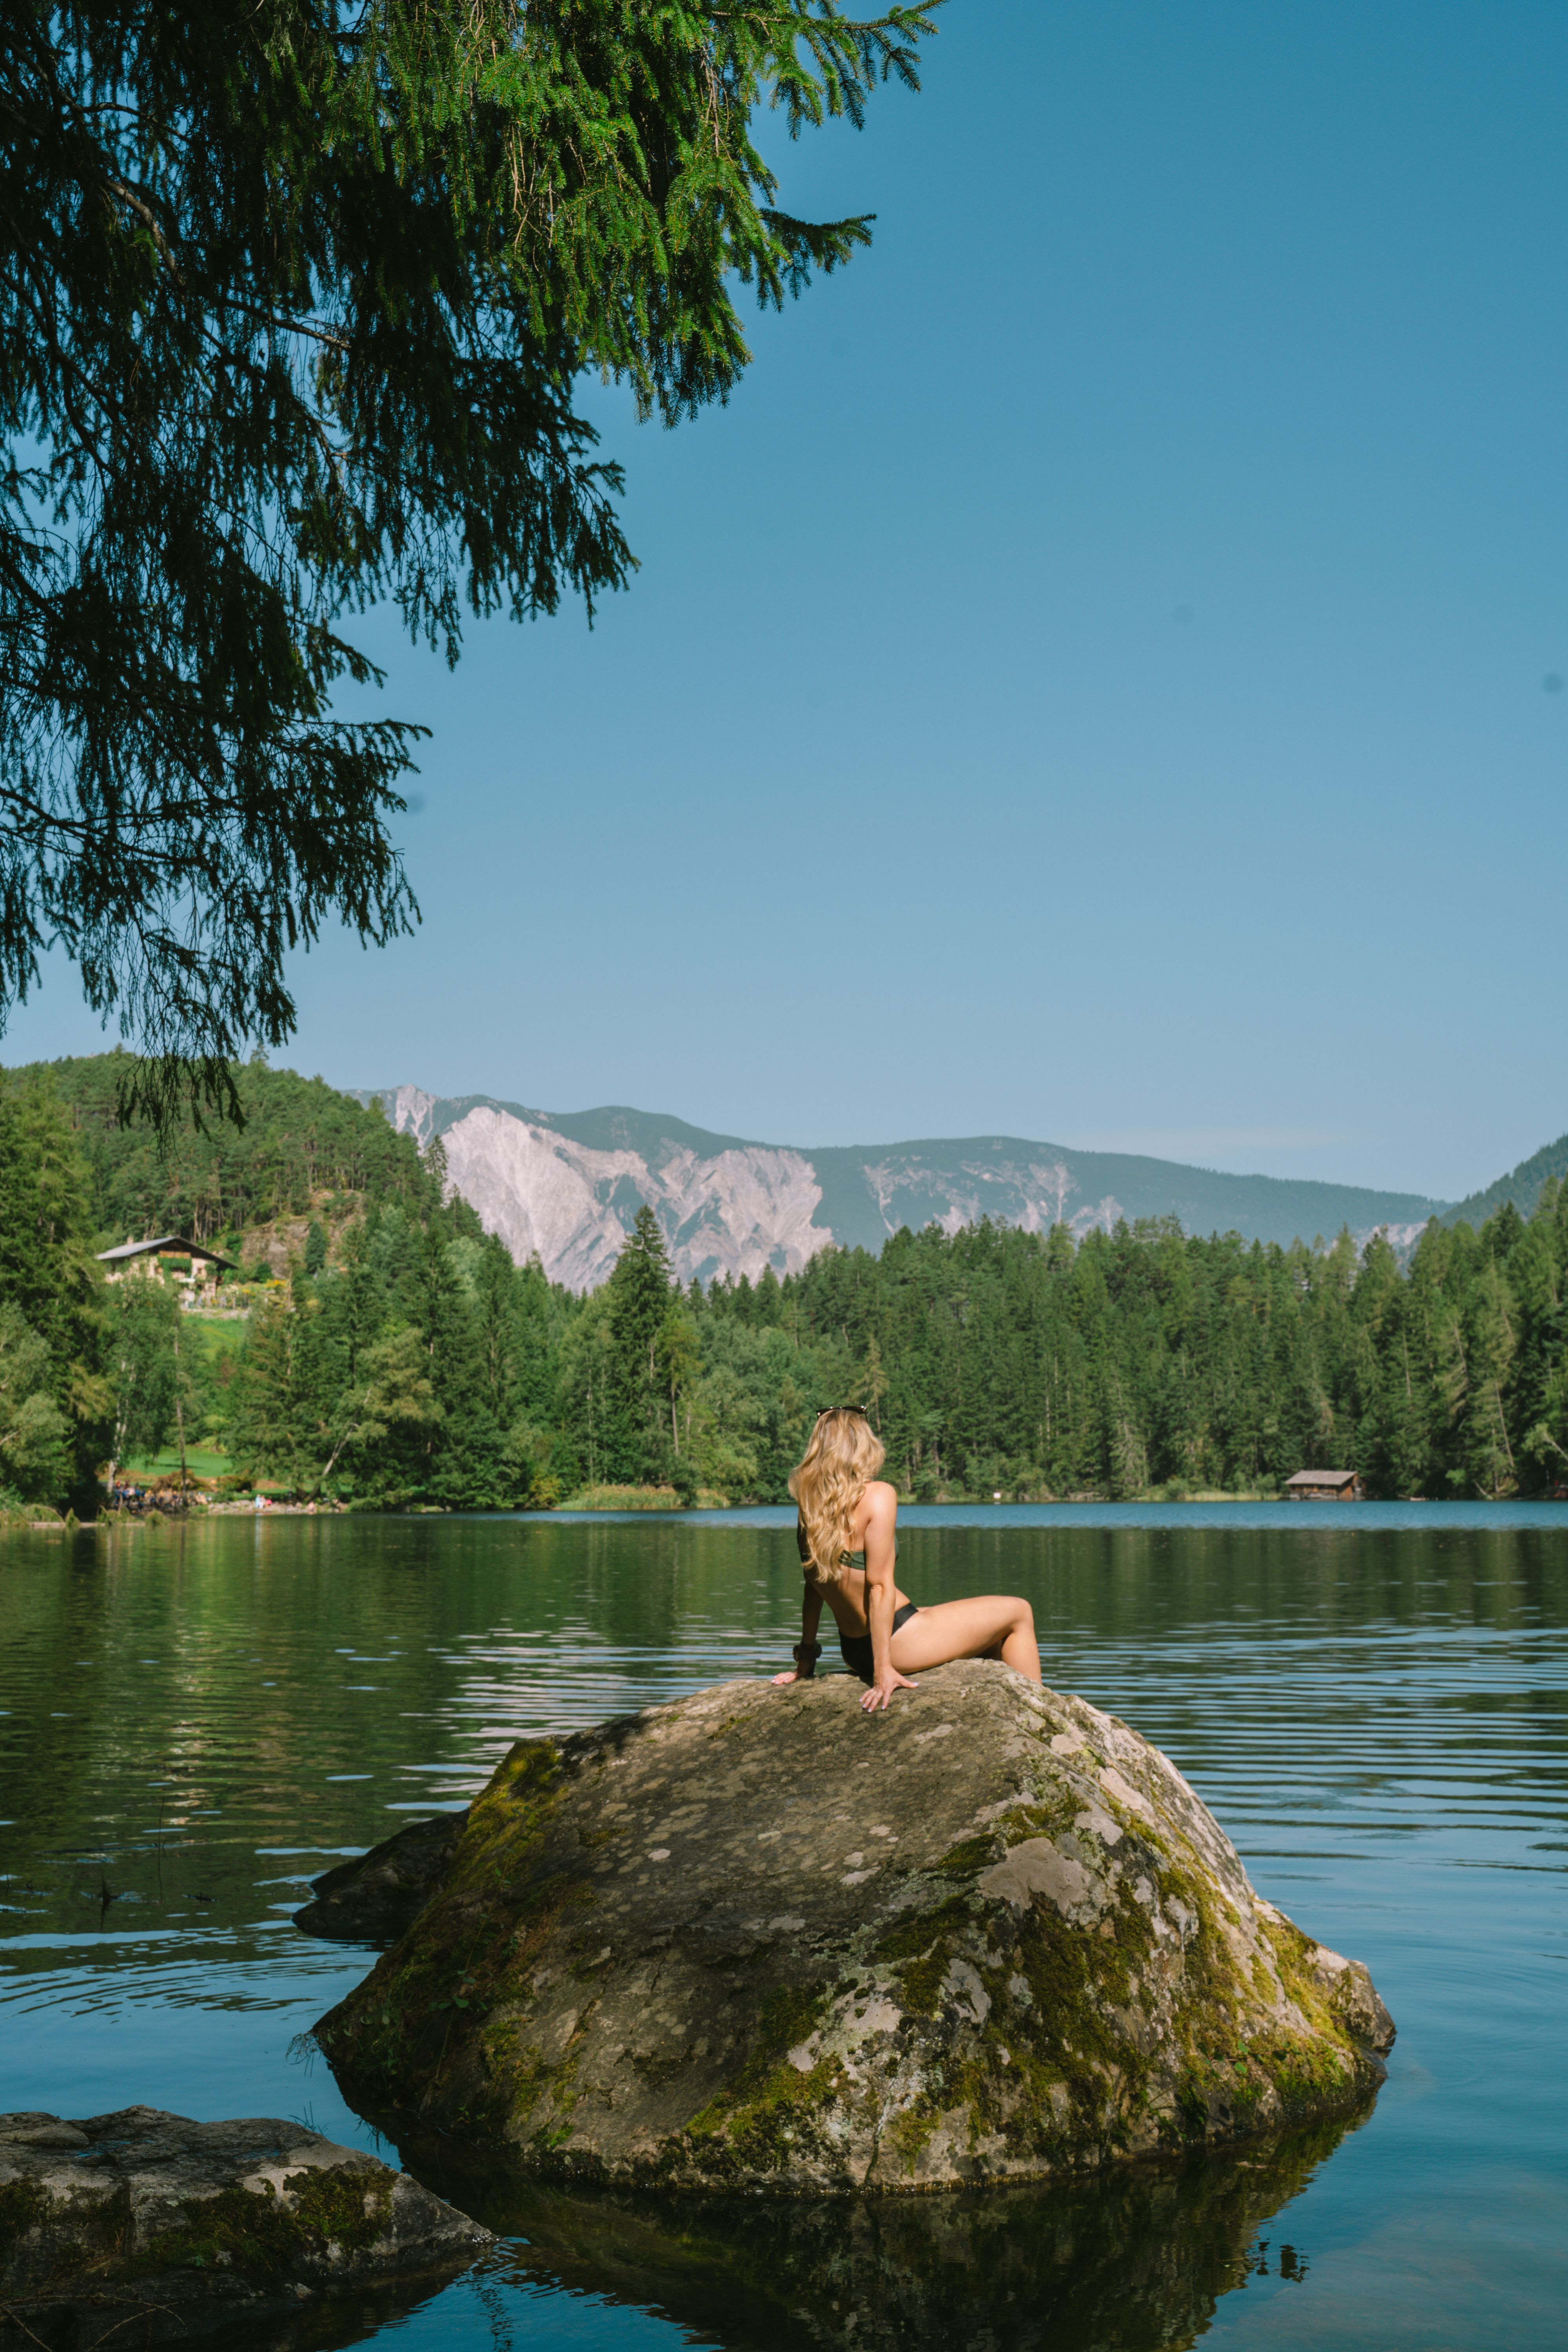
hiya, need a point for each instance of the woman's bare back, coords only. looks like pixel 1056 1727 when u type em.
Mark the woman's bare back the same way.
pixel 874 1514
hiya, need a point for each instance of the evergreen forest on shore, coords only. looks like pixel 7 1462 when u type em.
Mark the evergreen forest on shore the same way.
pixel 376 1348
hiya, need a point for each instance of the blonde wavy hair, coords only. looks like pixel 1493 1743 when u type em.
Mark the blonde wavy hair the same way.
pixel 843 1455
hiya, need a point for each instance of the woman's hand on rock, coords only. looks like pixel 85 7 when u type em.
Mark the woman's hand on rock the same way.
pixel 881 1693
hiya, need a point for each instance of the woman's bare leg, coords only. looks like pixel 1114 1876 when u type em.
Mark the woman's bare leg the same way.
pixel 993 1625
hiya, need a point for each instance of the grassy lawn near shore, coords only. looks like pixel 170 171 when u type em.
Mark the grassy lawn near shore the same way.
pixel 200 1461
pixel 637 1498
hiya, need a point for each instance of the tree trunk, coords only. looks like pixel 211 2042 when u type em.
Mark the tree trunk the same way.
pixel 122 1419
pixel 180 1414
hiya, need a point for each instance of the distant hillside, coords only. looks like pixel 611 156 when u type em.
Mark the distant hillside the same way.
pixel 566 1186
pixel 306 1149
pixel 1523 1187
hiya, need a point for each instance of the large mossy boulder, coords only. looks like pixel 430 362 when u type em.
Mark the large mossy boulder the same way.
pixel 759 1939
pixel 143 2226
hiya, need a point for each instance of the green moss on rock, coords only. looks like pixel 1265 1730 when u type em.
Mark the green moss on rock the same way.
pixel 929 1944
pixel 25 2206
pixel 265 2236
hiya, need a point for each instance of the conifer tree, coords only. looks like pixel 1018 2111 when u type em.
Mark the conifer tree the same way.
pixel 639 1300
pixel 275 1426
pixel 294 301
pixel 48 1273
pixel 462 1452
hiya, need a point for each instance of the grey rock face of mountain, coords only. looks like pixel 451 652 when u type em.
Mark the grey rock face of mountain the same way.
pixel 150 2224
pixel 758 1939
pixel 567 1187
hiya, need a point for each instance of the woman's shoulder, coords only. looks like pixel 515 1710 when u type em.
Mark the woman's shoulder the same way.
pixel 881 1495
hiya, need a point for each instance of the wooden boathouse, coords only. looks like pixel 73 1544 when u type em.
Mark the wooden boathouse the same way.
pixel 1325 1487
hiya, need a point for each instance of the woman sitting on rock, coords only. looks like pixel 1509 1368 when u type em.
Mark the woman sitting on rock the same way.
pixel 845 1510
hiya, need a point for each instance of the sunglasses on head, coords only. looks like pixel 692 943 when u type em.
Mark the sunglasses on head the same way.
pixel 827 1409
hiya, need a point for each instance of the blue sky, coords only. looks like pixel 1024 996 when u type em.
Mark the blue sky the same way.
pixel 1095 681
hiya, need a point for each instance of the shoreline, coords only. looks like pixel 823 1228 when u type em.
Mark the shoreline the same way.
pixel 25 1522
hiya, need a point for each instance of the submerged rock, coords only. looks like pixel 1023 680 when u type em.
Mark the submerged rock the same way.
pixel 374 1897
pixel 760 1938
pixel 173 2228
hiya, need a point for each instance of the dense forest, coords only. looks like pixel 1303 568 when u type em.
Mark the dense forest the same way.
pixel 302 1147
pixel 392 1355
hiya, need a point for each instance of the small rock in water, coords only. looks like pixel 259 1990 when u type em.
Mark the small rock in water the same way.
pixel 373 1898
pixel 989 1936
pixel 170 2228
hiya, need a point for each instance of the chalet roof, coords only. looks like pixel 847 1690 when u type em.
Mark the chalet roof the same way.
pixel 181 1242
pixel 1323 1478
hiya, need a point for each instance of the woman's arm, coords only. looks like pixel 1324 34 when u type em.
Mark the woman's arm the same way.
pixel 881 1552
pixel 805 1666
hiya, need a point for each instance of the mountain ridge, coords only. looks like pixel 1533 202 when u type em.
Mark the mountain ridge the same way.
pixel 1522 1185
pixel 565 1186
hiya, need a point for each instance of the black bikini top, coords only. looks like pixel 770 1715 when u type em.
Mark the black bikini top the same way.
pixel 846 1558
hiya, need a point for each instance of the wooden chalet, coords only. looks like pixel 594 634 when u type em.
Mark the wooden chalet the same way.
pixel 1325 1487
pixel 153 1258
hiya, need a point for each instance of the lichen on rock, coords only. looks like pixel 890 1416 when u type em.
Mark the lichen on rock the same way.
pixel 758 1939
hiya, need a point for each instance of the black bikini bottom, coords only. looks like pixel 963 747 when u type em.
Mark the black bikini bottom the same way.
pixel 855 1648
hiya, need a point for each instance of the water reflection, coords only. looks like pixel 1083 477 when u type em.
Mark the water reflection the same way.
pixel 1137 2256
pixel 194 1722
pixel 131 2320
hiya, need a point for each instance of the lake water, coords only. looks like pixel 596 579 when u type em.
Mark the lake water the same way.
pixel 1373 1699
